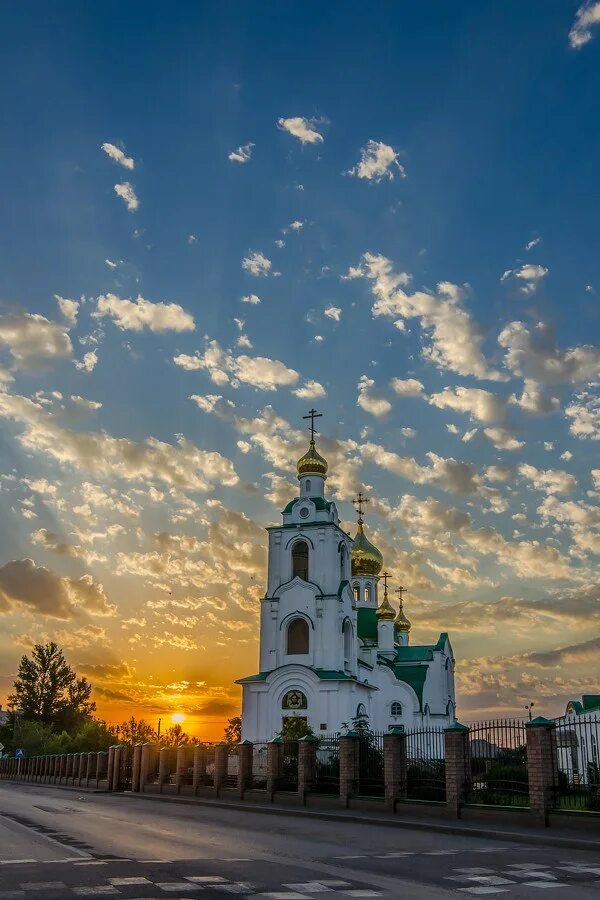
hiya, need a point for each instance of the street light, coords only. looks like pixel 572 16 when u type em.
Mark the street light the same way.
pixel 529 707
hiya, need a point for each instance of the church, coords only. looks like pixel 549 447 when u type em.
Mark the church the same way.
pixel 332 646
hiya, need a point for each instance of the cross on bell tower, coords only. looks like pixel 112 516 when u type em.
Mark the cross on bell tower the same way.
pixel 312 415
pixel 359 503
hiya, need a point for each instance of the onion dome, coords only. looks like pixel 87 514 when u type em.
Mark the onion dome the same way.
pixel 312 463
pixel 385 610
pixel 366 558
pixel 402 623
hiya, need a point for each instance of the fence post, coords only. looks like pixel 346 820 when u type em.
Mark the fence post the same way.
pixel 135 767
pixel 273 765
pixel 394 766
pixel 199 767
pixel 456 752
pixel 307 765
pixel 180 766
pixel 348 766
pixel 245 749
pixel 542 766
pixel 89 767
pixel 110 765
pixel 114 783
pixel 164 766
pixel 146 757
pixel 221 757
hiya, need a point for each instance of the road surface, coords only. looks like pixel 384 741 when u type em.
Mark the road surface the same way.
pixel 56 844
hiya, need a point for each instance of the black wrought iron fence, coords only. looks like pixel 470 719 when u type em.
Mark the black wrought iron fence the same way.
pixel 497 773
pixel 233 767
pixel 327 764
pixel 371 782
pixel 425 765
pixel 577 783
pixel 258 776
pixel 288 771
pixel 126 768
pixel 207 772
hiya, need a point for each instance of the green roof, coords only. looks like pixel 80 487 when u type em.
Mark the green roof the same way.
pixel 414 676
pixel 588 703
pixel 323 674
pixel 366 621
pixel 262 676
pixel 319 502
pixel 413 654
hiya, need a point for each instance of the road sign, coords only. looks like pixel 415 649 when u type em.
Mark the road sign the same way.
pixel 19 753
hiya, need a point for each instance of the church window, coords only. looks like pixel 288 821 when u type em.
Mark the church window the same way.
pixel 347 632
pixel 356 591
pixel 297 638
pixel 396 709
pixel 294 700
pixel 300 560
pixel 368 594
pixel 342 562
pixel 307 486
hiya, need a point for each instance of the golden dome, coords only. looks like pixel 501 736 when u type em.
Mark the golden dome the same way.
pixel 312 463
pixel 385 610
pixel 366 558
pixel 402 623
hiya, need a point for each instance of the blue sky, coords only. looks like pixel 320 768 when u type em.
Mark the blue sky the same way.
pixel 457 144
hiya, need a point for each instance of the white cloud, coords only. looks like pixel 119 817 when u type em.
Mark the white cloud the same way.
pixel 135 315
pixel 534 400
pixel 32 338
pixel 567 455
pixel 127 193
pixel 455 340
pixel 533 243
pixel 279 243
pixel 377 161
pixel 310 390
pixel 296 225
pixel 529 274
pixel 503 439
pixel 407 387
pixel 68 309
pixel 84 403
pixel 225 368
pixel 251 298
pixel 244 341
pixel 333 312
pixel 535 357
pixel 242 155
pixel 370 401
pixel 482 406
pixel 257 264
pixel 192 239
pixel 118 156
pixel 584 413
pixel 587 16
pixel 111 264
pixel 89 361
pixel 551 481
pixel 303 129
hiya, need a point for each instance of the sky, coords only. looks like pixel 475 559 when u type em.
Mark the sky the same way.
pixel 216 216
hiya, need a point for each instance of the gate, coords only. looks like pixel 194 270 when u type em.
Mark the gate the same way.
pixel 425 764
pixel 258 776
pixel 498 763
pixel 233 767
pixel 207 776
pixel 371 781
pixel 577 782
pixel 125 767
pixel 288 773
pixel 327 765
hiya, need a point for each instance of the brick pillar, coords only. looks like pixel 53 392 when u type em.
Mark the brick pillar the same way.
pixel 90 770
pixel 135 767
pixel 114 783
pixel 147 760
pixel 245 749
pixel 221 756
pixel 307 764
pixel 273 765
pixel 101 765
pixel 394 766
pixel 456 743
pixel 348 766
pixel 199 766
pixel 109 771
pixel 542 767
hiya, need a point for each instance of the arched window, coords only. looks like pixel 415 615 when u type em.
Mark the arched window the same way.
pixel 361 711
pixel 343 562
pixel 396 709
pixel 368 594
pixel 307 487
pixel 297 638
pixel 300 560
pixel 356 592
pixel 347 633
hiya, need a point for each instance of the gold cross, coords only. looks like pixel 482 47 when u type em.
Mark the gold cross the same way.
pixel 385 576
pixel 312 415
pixel 360 500
pixel 400 591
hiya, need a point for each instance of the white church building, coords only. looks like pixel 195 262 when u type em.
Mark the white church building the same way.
pixel 331 648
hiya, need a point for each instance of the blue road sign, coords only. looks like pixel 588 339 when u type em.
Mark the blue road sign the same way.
pixel 19 753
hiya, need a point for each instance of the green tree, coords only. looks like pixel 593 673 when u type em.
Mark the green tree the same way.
pixel 93 735
pixel 294 728
pixel 233 730
pixel 48 690
pixel 136 731
pixel 174 736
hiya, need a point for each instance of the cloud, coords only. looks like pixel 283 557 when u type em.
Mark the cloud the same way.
pixel 225 368
pixel 584 652
pixel 377 161
pixel 503 439
pixel 310 390
pixel 68 309
pixel 303 129
pixel 533 243
pixel 531 275
pixel 481 406
pixel 449 474
pixel 183 465
pixel 242 155
pixel 370 401
pixel 407 387
pixel 534 400
pixel 252 299
pixel 31 338
pixel 127 193
pixel 296 225
pixel 257 264
pixel 23 584
pixel 551 481
pixel 584 414
pixel 535 356
pixel 587 16
pixel 89 361
pixel 455 340
pixel 118 156
pixel 333 312
pixel 84 403
pixel 136 315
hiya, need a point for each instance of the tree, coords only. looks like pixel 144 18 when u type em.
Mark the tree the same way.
pixel 136 731
pixel 48 690
pixel 174 736
pixel 233 730
pixel 294 728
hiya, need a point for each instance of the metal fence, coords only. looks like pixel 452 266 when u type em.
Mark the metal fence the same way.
pixel 258 775
pixel 425 765
pixel 288 772
pixel 497 764
pixel 371 782
pixel 577 782
pixel 233 767
pixel 207 774
pixel 327 765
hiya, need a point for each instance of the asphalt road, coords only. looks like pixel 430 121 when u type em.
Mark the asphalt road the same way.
pixel 56 844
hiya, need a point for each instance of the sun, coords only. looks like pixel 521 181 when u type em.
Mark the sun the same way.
pixel 177 718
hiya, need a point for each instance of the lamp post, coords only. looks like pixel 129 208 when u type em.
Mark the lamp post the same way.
pixel 529 707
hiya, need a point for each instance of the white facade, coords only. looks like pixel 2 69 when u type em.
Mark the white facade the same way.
pixel 578 740
pixel 327 652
